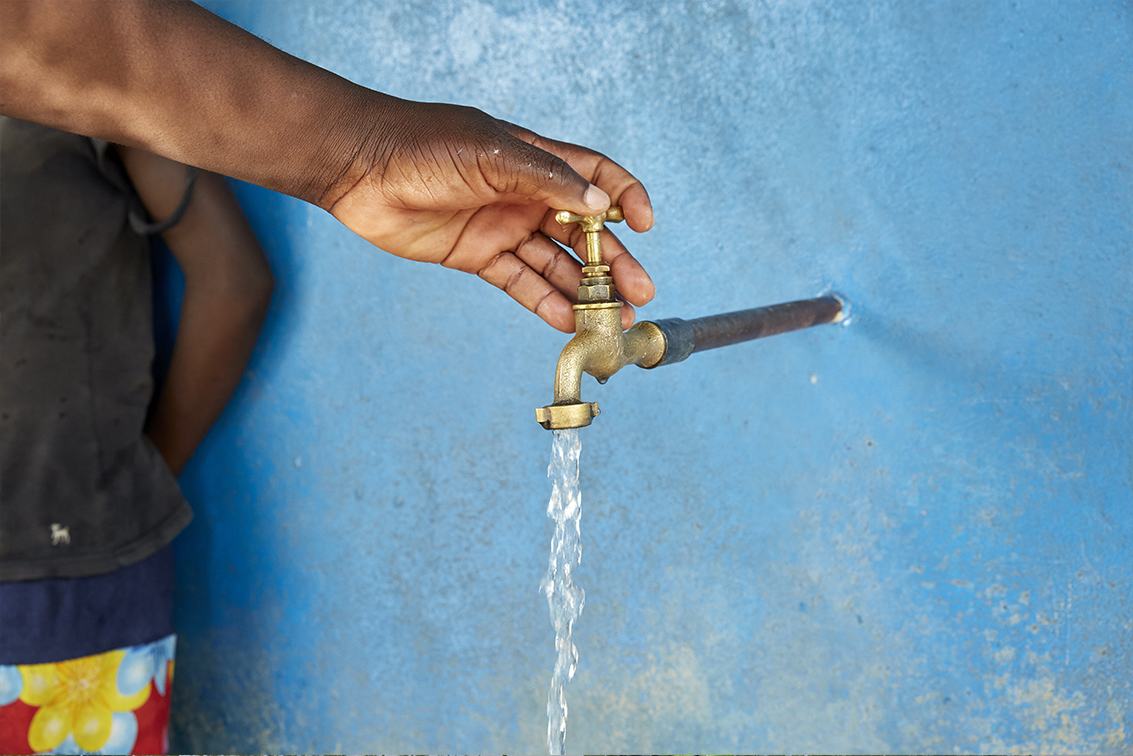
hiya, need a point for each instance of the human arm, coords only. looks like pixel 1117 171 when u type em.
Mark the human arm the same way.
pixel 430 182
pixel 228 286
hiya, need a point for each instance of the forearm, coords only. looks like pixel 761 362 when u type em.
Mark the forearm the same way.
pixel 228 287
pixel 215 338
pixel 133 73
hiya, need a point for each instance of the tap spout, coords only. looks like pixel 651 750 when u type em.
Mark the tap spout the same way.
pixel 600 348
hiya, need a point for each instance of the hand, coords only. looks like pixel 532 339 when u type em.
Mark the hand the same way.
pixel 430 182
pixel 452 185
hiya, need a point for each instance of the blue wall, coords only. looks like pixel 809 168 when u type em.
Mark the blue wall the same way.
pixel 911 534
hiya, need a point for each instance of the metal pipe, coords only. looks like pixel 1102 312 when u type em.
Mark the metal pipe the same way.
pixel 685 337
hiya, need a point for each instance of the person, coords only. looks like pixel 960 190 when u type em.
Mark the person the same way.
pixel 89 498
pixel 429 182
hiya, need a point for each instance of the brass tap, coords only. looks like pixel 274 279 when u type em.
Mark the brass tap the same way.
pixel 599 346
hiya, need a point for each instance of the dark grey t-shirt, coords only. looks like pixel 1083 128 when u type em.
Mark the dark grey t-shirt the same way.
pixel 82 490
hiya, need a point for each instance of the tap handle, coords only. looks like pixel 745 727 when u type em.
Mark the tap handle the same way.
pixel 592 225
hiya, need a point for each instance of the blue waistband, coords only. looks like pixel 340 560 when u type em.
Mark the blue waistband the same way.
pixel 65 618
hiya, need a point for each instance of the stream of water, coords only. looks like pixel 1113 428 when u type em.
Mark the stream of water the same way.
pixel 564 598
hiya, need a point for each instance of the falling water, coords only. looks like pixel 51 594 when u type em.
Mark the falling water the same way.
pixel 564 598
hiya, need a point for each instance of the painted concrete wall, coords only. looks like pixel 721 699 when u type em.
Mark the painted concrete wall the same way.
pixel 912 534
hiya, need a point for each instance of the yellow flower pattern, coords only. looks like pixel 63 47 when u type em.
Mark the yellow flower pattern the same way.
pixel 76 697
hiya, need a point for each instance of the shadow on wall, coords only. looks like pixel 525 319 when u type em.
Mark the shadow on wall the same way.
pixel 224 574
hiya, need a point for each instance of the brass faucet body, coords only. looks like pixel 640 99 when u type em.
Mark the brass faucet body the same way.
pixel 600 347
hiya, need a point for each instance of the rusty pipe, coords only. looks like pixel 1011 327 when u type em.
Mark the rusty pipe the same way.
pixel 686 337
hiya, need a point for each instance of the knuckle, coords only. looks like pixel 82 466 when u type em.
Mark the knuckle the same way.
pixel 514 279
pixel 489 272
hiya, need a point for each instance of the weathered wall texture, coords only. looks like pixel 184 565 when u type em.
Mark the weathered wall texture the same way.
pixel 910 534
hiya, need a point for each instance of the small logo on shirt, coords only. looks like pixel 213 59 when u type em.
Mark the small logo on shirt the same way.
pixel 60 534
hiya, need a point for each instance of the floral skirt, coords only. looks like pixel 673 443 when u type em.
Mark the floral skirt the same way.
pixel 61 690
pixel 116 702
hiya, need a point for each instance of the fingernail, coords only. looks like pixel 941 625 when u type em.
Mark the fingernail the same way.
pixel 596 199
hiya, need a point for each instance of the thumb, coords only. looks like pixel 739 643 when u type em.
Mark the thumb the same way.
pixel 547 178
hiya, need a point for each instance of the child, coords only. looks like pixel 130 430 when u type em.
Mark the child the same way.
pixel 88 494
